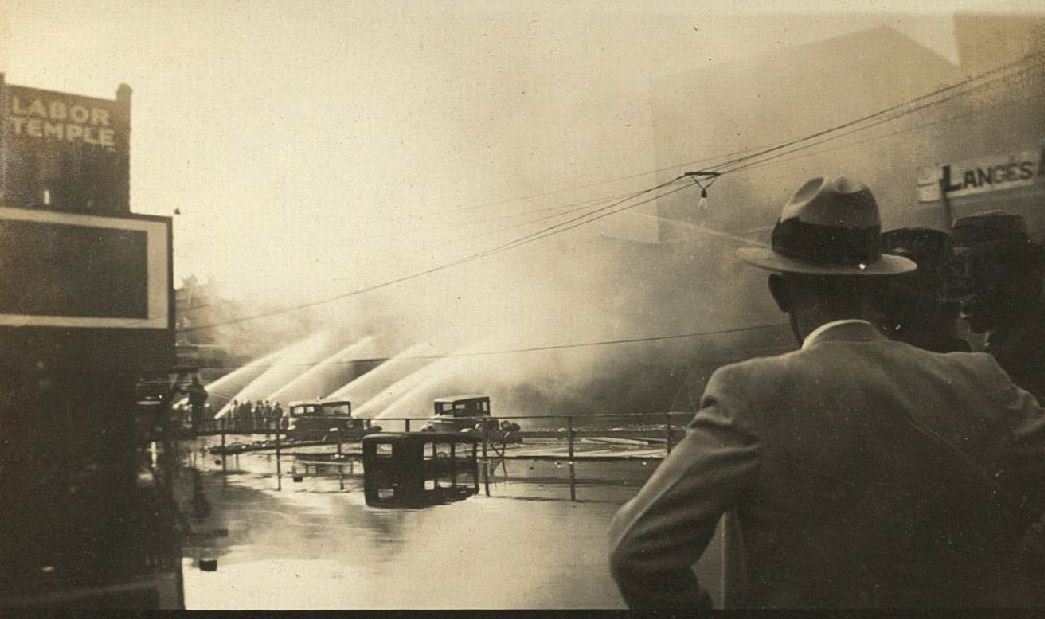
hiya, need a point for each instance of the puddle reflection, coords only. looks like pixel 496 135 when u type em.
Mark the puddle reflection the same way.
pixel 533 537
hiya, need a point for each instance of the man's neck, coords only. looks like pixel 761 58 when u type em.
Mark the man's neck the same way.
pixel 804 323
pixel 815 333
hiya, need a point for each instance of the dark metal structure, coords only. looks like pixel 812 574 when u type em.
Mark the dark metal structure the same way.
pixel 416 469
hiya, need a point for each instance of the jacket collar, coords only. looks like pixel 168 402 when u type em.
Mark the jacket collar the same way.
pixel 842 330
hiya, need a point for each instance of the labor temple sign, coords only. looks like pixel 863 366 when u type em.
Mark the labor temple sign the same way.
pixel 981 175
pixel 64 151
pixel 46 118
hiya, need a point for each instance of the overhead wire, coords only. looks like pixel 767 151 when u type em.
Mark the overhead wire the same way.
pixel 902 109
pixel 574 207
pixel 788 150
pixel 588 185
pixel 604 211
pixel 522 350
pixel 898 106
pixel 755 152
pixel 878 122
pixel 523 224
pixel 569 207
pixel 446 265
pixel 556 228
pixel 874 138
pixel 765 160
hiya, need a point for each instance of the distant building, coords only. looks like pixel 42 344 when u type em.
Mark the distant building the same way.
pixel 796 92
pixel 687 271
pixel 199 304
pixel 63 151
pixel 195 303
pixel 986 41
pixel 88 340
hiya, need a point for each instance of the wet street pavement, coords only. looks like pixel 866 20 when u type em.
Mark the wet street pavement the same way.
pixel 537 541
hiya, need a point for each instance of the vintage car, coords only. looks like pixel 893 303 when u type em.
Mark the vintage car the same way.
pixel 470 414
pixel 460 412
pixel 314 420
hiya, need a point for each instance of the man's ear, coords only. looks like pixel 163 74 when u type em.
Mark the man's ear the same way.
pixel 781 293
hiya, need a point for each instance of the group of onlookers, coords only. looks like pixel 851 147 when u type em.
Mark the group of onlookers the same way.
pixel 986 271
pixel 261 412
pixel 882 464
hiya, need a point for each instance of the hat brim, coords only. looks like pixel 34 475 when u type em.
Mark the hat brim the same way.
pixel 766 258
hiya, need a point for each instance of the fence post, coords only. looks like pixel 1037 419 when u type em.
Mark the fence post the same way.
pixel 486 461
pixel 668 431
pixel 222 444
pixel 279 423
pixel 406 425
pixel 340 461
pixel 475 471
pixel 486 433
pixel 569 433
pixel 453 464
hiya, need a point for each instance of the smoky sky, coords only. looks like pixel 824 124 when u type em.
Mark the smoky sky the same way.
pixel 330 148
pixel 318 148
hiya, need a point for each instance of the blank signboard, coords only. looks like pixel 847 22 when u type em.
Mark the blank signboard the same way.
pixel 73 270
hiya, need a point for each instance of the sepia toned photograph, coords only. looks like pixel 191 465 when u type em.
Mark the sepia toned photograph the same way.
pixel 492 305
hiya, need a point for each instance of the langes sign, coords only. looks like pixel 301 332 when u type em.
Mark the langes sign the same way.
pixel 64 152
pixel 982 175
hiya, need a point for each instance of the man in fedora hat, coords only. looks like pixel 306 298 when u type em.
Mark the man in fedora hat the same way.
pixel 1001 278
pixel 857 471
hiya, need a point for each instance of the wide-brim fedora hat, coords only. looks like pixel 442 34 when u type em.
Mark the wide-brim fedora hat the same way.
pixel 829 227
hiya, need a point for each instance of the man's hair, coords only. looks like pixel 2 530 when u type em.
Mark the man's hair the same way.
pixel 1017 268
pixel 841 295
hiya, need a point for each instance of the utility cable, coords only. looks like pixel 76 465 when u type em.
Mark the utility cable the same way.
pixel 456 262
pixel 878 122
pixel 612 209
pixel 570 207
pixel 874 138
pixel 527 349
pixel 1005 67
pixel 609 209
pixel 608 181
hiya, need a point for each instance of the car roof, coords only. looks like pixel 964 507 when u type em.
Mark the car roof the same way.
pixel 458 398
pixel 318 402
pixel 420 436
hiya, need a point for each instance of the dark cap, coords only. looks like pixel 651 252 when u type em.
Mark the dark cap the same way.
pixel 989 229
pixel 929 248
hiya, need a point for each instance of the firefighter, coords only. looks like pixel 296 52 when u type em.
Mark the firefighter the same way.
pixel 197 400
pixel 1000 274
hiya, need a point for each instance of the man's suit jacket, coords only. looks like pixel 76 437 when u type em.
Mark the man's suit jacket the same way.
pixel 824 459
pixel 1019 347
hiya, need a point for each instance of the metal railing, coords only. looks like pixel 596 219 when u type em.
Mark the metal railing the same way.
pixel 249 425
pixel 604 436
pixel 660 428
pixel 636 430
